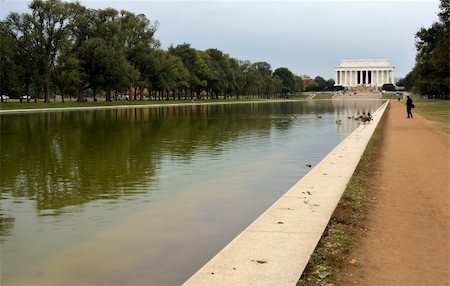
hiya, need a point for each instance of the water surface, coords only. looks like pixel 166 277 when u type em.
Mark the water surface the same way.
pixel 147 196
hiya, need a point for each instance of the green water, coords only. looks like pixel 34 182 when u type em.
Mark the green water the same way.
pixel 147 196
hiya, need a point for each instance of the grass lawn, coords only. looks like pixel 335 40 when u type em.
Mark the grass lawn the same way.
pixel 435 110
pixel 12 105
pixel 391 96
pixel 301 96
pixel 37 105
pixel 323 96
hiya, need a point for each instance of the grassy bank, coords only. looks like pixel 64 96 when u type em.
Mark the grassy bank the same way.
pixel 319 95
pixel 435 110
pixel 391 96
pixel 13 105
pixel 347 224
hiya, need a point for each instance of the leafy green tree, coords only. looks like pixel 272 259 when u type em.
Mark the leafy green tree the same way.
pixel 9 70
pixel 430 75
pixel 388 87
pixel 236 80
pixel 287 79
pixel 263 68
pixel 251 79
pixel 106 66
pixel 25 57
pixel 266 83
pixel 322 84
pixel 196 63
pixel 137 37
pixel 67 75
pixel 299 84
pixel 330 83
pixel 310 84
pixel 204 71
pixel 171 75
pixel 400 82
pixel 221 72
pixel 178 74
pixel 47 26
pixel 149 65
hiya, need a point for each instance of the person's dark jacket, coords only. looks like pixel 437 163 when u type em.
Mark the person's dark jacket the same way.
pixel 409 103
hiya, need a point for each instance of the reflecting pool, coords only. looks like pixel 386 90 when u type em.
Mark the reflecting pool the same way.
pixel 147 196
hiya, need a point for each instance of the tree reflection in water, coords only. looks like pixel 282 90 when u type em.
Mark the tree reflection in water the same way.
pixel 61 159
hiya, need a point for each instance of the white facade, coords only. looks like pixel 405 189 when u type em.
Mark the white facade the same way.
pixel 375 73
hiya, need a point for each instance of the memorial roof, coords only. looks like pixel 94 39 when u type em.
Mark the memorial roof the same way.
pixel 365 63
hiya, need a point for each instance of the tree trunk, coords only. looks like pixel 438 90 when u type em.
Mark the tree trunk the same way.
pixel 108 94
pixel 141 91
pixel 62 95
pixel 46 95
pixel 80 94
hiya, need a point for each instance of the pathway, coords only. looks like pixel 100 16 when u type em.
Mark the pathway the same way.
pixel 407 242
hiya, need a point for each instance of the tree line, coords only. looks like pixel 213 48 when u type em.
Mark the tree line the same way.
pixel 430 75
pixel 67 49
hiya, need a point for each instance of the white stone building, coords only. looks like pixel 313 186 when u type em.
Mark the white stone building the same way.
pixel 351 73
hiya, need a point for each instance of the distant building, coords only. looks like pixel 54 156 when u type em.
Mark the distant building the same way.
pixel 351 73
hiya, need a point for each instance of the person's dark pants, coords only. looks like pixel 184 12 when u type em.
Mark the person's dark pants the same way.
pixel 408 110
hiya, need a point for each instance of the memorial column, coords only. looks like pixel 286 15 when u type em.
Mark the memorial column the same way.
pixel 376 78
pixel 380 76
pixel 353 77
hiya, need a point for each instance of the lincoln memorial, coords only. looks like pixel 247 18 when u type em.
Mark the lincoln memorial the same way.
pixel 375 73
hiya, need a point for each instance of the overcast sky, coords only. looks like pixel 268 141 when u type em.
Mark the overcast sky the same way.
pixel 308 37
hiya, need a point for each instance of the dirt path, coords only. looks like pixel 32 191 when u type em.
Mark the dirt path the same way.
pixel 407 242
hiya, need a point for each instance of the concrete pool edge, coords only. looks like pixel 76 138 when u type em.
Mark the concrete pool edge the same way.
pixel 276 247
pixel 153 105
pixel 131 106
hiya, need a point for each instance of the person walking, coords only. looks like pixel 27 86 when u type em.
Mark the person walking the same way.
pixel 409 106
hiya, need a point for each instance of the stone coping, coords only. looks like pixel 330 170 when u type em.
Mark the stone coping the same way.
pixel 150 105
pixel 276 247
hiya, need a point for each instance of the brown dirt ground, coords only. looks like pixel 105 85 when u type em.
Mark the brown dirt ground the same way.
pixel 407 240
